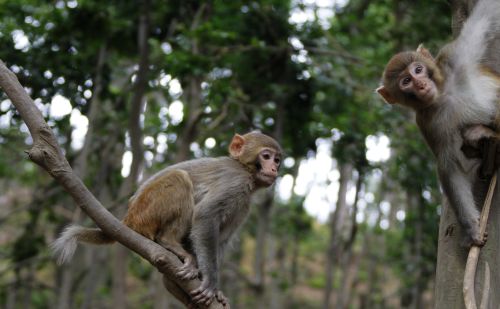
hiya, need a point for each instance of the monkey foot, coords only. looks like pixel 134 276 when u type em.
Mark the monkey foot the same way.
pixel 222 299
pixel 476 240
pixel 204 294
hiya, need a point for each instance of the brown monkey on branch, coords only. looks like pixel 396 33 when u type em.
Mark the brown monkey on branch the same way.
pixel 192 209
pixel 455 98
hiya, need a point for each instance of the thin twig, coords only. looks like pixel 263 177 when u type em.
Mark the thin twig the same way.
pixel 470 267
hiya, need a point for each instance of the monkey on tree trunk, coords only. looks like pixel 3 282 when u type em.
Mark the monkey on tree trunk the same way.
pixel 456 99
pixel 192 209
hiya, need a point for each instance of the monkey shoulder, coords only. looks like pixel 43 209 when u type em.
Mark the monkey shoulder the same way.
pixel 445 57
pixel 437 136
pixel 217 176
pixel 215 168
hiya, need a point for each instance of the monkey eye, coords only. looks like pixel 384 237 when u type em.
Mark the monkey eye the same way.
pixel 277 161
pixel 419 69
pixel 266 156
pixel 405 81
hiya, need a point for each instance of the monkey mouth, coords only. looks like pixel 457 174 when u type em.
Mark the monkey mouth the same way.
pixel 267 179
pixel 427 94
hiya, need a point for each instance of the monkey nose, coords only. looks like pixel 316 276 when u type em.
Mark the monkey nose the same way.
pixel 420 84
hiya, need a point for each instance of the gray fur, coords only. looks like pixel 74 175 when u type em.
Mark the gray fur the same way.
pixel 469 97
pixel 64 247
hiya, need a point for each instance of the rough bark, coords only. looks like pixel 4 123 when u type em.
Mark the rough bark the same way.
pixel 452 258
pixel 46 153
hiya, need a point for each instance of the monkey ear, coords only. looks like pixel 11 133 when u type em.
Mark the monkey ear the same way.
pixel 236 146
pixel 384 93
pixel 424 52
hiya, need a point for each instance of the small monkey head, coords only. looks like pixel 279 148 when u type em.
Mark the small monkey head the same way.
pixel 260 154
pixel 411 79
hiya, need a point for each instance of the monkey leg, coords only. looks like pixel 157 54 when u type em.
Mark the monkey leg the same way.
pixel 175 204
pixel 472 135
pixel 162 210
pixel 188 270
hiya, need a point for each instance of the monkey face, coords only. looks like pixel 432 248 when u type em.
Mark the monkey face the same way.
pixel 412 79
pixel 268 164
pixel 416 80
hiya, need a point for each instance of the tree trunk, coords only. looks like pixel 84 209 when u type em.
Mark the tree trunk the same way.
pixel 192 98
pixel 94 277
pixel 374 247
pixel 95 109
pixel 263 215
pixel 10 302
pixel 80 168
pixel 135 132
pixel 351 268
pixel 336 221
pixel 452 258
pixel 350 260
pixel 415 252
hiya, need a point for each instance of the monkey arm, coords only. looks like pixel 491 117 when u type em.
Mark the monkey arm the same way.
pixel 479 30
pixel 458 189
pixel 205 240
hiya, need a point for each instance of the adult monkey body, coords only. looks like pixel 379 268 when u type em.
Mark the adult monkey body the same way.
pixel 455 98
pixel 192 209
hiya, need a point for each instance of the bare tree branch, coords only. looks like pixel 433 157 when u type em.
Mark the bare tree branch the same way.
pixel 486 287
pixel 47 153
pixel 470 267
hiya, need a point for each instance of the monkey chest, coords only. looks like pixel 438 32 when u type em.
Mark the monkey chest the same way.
pixel 231 218
pixel 481 97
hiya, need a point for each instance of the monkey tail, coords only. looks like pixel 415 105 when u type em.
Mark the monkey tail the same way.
pixel 64 247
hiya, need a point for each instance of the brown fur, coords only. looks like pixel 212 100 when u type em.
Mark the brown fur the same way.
pixel 146 213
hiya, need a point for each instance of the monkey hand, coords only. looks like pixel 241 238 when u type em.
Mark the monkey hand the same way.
pixel 188 270
pixel 222 299
pixel 472 134
pixel 204 294
pixel 474 237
